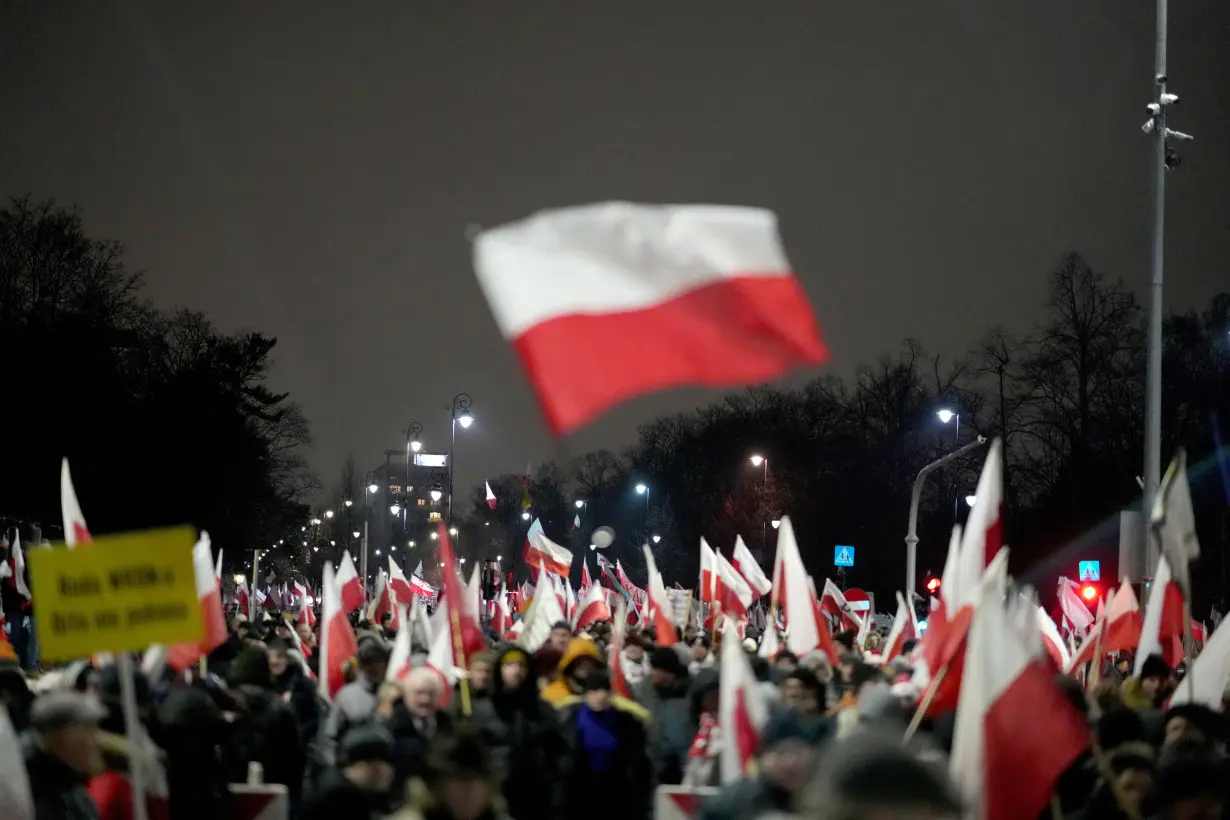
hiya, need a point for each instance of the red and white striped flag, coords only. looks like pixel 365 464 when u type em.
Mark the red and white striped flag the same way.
pixel 650 296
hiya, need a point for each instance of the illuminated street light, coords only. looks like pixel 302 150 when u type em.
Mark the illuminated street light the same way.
pixel 777 522
pixel 641 489
pixel 461 560
pixel 395 509
pixel 328 513
pixel 371 488
pixel 355 534
pixel 452 530
pixel 757 460
pixel 970 499
pixel 499 558
pixel 465 419
pixel 945 415
pixel 316 522
pixel 240 578
pixel 410 544
pixel 435 536
pixel 657 539
pixel 348 502
pixel 580 503
pixel 525 516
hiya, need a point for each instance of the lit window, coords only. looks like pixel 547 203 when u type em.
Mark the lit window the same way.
pixel 394 488
pixel 422 501
pixel 435 516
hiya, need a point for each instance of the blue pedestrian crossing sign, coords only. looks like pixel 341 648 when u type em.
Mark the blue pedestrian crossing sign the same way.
pixel 843 556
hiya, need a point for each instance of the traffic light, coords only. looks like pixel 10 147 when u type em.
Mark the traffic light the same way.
pixel 1089 592
pixel 933 584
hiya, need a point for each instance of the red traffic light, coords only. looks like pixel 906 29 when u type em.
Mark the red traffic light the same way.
pixel 1089 592
pixel 933 584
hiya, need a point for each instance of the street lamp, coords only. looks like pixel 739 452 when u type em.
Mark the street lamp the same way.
pixel 395 509
pixel 657 539
pixel 641 489
pixel 460 413
pixel 452 531
pixel 355 533
pixel 328 513
pixel 580 503
pixel 348 502
pixel 525 516
pixel 777 522
pixel 945 415
pixel 435 535
pixel 371 488
pixel 437 487
pixel 970 499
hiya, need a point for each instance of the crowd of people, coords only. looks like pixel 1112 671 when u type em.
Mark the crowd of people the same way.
pixel 545 735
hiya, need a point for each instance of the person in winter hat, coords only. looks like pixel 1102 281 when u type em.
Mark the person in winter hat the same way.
pixel 358 786
pixel 61 753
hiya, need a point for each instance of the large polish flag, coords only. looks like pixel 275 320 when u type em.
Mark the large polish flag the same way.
pixel 708 572
pixel 337 641
pixel 1005 761
pixel 648 296
pixel 591 608
pixel 663 623
pixel 742 710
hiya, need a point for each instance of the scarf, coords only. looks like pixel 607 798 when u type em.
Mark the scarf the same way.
pixel 598 738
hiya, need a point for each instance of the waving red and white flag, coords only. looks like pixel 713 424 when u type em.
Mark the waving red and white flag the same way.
pixel 833 602
pixel 806 627
pixel 491 500
pixel 350 588
pixel 661 613
pixel 742 710
pixel 708 572
pixel 734 594
pixel 586 580
pixel 1073 607
pixel 1004 759
pixel 501 620
pixel 592 608
pixel 548 556
pixel 180 656
pixel 745 562
pixel 650 296
pixel 337 641
pixel 75 530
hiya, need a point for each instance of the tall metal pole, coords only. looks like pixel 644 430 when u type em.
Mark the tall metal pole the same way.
pixel 911 537
pixel 363 558
pixel 256 562
pixel 1164 159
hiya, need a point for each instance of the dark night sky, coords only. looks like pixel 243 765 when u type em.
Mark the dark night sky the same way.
pixel 307 169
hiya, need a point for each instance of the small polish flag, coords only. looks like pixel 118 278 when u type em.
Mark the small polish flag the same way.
pixel 650 296
pixel 349 587
pixel 490 495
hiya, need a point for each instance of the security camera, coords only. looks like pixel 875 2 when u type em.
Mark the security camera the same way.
pixel 1160 79
pixel 1170 99
pixel 1172 160
pixel 1148 126
pixel 1153 108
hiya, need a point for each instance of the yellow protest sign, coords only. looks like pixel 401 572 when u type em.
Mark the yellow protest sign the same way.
pixel 120 593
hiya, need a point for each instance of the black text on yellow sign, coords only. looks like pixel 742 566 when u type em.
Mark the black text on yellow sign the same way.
pixel 118 594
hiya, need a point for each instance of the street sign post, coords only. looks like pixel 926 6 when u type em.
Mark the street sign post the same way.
pixel 843 556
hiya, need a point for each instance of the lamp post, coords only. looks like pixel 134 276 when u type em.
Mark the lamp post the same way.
pixel 460 411
pixel 945 415
pixel 760 461
pixel 412 431
pixel 369 489
pixel 911 537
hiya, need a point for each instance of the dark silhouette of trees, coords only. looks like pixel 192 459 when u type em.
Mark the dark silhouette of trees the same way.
pixel 164 419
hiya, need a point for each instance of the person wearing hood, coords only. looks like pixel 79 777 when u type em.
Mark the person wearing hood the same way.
pixel 522 736
pixel 264 730
pixel 358 787
pixel 632 660
pixel 567 684
pixel 1148 691
pixel 193 729
pixel 606 772
pixel 671 728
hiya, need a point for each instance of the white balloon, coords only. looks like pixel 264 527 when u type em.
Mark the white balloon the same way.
pixel 603 537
